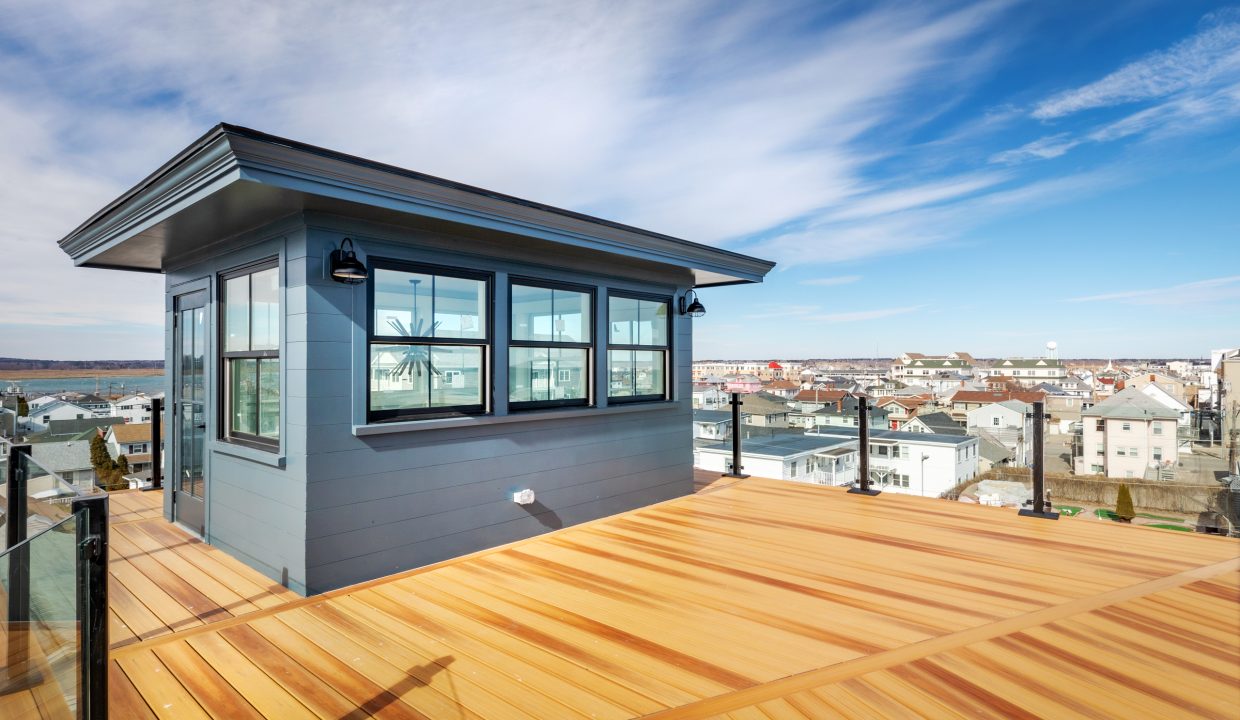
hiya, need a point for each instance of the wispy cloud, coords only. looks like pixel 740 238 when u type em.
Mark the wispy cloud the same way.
pixel 829 281
pixel 1040 149
pixel 859 315
pixel 1198 292
pixel 1193 62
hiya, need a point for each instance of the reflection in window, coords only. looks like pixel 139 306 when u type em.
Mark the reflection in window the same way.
pixel 638 342
pixel 251 356
pixel 549 350
pixel 429 338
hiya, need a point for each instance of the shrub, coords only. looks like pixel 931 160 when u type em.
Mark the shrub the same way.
pixel 1123 505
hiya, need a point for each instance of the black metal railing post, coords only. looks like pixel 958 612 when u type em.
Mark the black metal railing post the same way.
pixel 863 442
pixel 92 605
pixel 737 466
pixel 157 450
pixel 1041 505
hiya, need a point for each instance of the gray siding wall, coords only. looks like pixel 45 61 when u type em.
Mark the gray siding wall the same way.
pixel 379 504
pixel 336 506
pixel 256 500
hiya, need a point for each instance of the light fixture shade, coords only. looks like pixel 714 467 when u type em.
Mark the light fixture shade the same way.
pixel 345 267
pixel 694 308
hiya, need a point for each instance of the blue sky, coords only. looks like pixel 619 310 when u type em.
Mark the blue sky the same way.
pixel 930 176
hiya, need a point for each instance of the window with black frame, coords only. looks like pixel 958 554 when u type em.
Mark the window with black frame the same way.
pixel 429 341
pixel 551 335
pixel 637 348
pixel 250 298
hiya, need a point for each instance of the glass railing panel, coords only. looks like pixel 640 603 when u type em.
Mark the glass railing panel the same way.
pixel 49 498
pixel 41 631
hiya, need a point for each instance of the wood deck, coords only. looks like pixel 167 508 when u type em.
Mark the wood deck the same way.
pixel 160 580
pixel 755 599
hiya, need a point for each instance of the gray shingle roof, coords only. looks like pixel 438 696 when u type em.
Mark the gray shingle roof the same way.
pixel 62 456
pixel 1131 404
pixel 712 416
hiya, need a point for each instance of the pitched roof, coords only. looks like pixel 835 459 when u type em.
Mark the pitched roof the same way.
pixel 941 423
pixel 60 457
pixel 1131 404
pixel 782 385
pixel 761 403
pixel 821 395
pixel 993 396
pixel 132 432
pixel 913 437
pixel 712 416
pixel 1027 363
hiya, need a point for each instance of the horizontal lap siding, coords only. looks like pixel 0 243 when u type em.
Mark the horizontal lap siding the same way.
pixel 418 498
pixel 380 504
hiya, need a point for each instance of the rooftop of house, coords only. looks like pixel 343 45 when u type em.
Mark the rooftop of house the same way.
pixel 132 432
pixel 712 416
pixel 753 598
pixel 894 435
pixel 1131 404
pixel 234 179
pixel 991 449
pixel 781 446
pixel 985 397
pixel 62 456
pixel 941 423
pixel 763 403
pixel 821 395
pixel 1026 363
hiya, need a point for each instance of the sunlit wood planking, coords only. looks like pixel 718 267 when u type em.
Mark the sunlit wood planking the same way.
pixel 711 605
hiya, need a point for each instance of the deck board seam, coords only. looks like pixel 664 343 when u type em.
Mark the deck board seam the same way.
pixel 852 668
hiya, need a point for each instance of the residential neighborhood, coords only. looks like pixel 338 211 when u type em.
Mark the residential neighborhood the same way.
pixel 1172 422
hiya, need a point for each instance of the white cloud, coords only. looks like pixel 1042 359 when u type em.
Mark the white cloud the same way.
pixel 1040 149
pixel 681 117
pixel 1200 292
pixel 1193 62
pixel 829 281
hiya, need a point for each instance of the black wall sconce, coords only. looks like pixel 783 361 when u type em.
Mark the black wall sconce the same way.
pixel 692 309
pixel 345 267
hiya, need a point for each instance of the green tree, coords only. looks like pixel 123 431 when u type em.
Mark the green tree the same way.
pixel 23 407
pixel 1124 510
pixel 122 465
pixel 100 459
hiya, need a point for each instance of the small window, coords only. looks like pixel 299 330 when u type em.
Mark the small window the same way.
pixel 549 350
pixel 995 421
pixel 251 354
pixel 1100 425
pixel 430 333
pixel 1127 426
pixel 1158 453
pixel 1158 428
pixel 1132 452
pixel 638 341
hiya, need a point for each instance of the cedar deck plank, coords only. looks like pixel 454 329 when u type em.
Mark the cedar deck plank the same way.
pixel 754 599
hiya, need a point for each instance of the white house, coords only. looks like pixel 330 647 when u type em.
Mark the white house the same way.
pixel 1128 435
pixel 711 424
pixel 918 369
pixel 133 440
pixel 134 408
pixel 1005 422
pixel 1029 371
pixel 915 463
pixel 814 459
pixel 44 414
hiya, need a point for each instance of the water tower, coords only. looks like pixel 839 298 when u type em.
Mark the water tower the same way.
pixel 1052 350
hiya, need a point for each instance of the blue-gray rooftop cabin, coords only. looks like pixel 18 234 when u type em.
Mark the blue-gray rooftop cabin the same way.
pixel 328 433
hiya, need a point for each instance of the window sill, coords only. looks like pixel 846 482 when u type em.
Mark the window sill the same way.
pixel 516 417
pixel 263 457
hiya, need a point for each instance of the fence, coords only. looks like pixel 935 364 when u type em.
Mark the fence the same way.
pixel 1104 491
pixel 53 568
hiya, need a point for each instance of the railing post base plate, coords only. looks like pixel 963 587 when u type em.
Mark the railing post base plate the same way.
pixel 1027 512
pixel 859 491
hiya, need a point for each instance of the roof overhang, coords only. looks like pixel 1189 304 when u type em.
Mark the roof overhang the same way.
pixel 233 179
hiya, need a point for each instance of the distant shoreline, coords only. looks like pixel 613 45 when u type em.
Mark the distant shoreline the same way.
pixel 78 373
